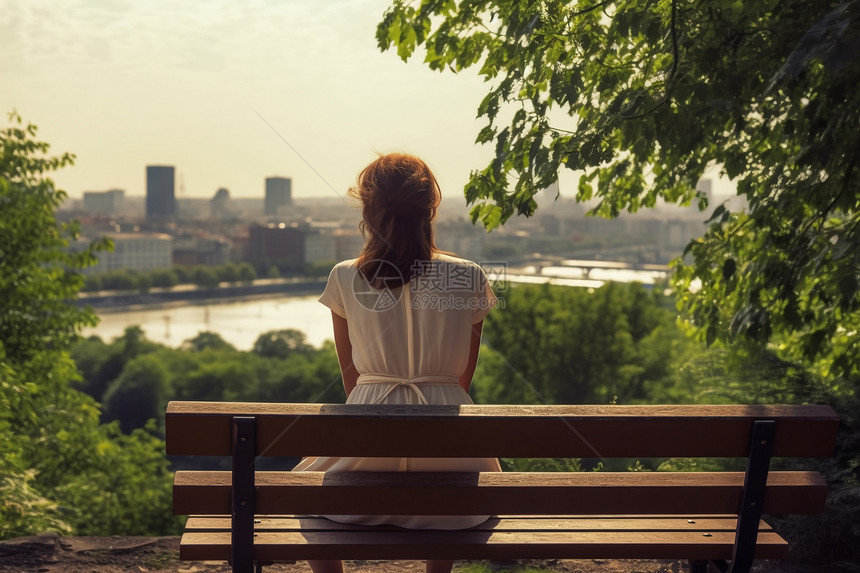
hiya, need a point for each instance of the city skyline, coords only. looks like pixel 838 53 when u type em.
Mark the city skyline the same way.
pixel 231 93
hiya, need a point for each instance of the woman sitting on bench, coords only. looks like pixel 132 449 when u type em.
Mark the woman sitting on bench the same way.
pixel 407 325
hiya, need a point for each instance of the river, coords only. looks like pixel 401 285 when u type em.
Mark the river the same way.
pixel 237 322
pixel 241 321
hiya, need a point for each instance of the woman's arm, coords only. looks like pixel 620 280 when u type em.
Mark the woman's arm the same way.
pixel 344 352
pixel 474 347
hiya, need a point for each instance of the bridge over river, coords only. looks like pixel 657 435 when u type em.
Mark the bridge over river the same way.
pixel 586 273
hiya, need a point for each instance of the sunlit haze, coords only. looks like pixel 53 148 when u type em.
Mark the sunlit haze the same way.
pixel 222 90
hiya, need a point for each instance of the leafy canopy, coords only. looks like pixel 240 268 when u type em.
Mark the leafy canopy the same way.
pixel 642 97
pixel 59 469
pixel 561 345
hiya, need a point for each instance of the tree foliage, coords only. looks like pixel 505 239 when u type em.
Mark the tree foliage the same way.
pixel 562 345
pixel 125 489
pixel 641 97
pixel 281 343
pixel 39 274
pixel 58 466
pixel 207 340
pixel 134 378
pixel 139 393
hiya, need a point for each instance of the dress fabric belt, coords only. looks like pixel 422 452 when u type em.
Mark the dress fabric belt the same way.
pixel 414 383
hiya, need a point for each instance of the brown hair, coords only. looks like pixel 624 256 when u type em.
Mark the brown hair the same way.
pixel 399 196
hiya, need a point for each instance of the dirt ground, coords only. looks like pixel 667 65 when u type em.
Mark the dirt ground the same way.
pixel 51 553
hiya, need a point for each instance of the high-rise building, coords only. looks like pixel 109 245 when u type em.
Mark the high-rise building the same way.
pixel 281 244
pixel 160 192
pixel 219 205
pixel 278 195
pixel 104 202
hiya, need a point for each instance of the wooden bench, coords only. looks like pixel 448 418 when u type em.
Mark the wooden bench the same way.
pixel 252 517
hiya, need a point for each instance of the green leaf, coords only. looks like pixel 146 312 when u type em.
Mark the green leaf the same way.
pixel 486 134
pixel 718 212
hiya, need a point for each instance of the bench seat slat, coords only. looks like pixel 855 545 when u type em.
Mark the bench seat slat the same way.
pixel 414 493
pixel 295 430
pixel 503 523
pixel 372 544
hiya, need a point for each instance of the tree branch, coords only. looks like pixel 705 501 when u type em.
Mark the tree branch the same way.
pixel 591 9
pixel 672 71
pixel 822 215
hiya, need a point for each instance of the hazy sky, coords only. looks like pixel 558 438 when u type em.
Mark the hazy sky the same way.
pixel 223 89
pixel 193 83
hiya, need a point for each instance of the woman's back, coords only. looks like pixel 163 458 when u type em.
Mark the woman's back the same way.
pixel 421 328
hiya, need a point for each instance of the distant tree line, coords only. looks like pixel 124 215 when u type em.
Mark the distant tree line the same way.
pixel 200 275
pixel 204 276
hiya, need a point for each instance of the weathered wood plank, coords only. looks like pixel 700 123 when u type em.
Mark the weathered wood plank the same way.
pixel 295 430
pixel 504 523
pixel 279 546
pixel 496 410
pixel 414 493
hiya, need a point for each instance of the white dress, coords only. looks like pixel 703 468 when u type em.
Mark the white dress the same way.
pixel 409 345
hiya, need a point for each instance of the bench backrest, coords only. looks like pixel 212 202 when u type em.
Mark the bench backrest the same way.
pixel 207 428
pixel 297 430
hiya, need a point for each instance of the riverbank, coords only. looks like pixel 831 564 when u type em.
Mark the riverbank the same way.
pixel 105 301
